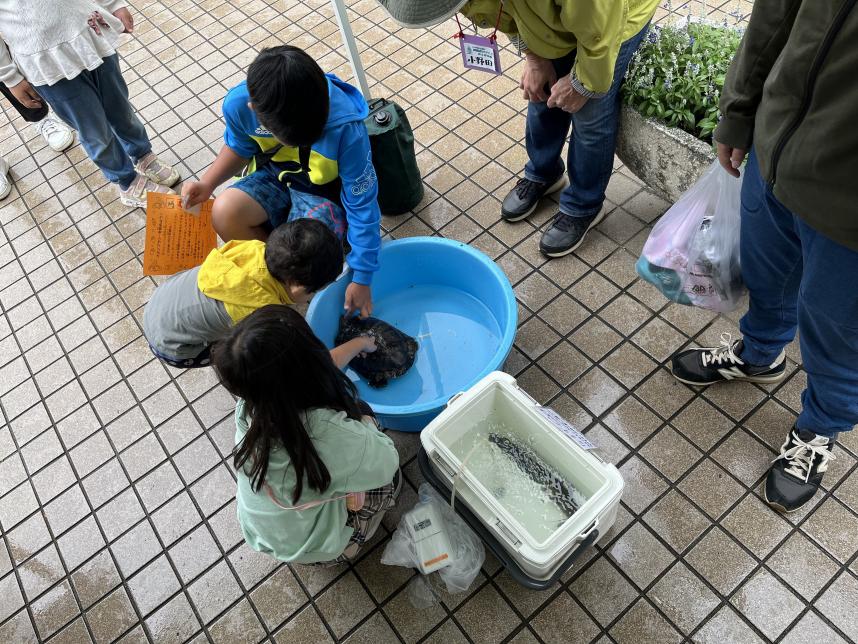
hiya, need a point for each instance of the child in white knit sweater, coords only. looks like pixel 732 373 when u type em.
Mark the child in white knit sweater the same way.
pixel 65 54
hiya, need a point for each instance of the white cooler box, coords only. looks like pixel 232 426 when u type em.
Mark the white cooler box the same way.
pixel 539 549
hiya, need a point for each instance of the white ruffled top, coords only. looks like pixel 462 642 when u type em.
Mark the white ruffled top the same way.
pixel 45 41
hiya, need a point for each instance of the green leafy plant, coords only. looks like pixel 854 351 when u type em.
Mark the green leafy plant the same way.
pixel 678 73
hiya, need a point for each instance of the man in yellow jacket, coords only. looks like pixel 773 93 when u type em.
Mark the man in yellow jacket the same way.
pixel 577 54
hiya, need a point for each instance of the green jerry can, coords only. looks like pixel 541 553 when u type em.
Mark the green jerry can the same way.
pixel 400 187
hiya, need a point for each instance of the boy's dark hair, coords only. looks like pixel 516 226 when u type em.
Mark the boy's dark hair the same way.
pixel 289 93
pixel 274 361
pixel 304 252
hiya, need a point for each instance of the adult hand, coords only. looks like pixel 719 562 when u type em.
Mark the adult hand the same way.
pixel 564 96
pixel 26 95
pixel 730 158
pixel 125 17
pixel 358 298
pixel 96 22
pixel 195 192
pixel 538 72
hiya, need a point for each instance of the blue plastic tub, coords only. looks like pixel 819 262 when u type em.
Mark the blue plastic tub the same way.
pixel 458 305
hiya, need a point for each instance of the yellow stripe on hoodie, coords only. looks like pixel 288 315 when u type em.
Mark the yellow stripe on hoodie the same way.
pixel 236 275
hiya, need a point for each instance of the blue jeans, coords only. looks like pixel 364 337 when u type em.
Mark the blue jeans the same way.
pixel 95 103
pixel 590 158
pixel 281 203
pixel 800 279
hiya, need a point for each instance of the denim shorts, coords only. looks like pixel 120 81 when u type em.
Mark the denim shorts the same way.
pixel 283 204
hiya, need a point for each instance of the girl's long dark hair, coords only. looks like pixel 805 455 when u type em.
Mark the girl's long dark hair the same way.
pixel 278 366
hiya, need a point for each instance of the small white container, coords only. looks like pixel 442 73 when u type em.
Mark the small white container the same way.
pixel 498 399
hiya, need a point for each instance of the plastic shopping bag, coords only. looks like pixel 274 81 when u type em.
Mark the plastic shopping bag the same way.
pixel 692 253
pixel 463 551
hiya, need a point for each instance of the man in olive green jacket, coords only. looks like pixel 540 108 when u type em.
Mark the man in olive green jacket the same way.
pixel 577 55
pixel 791 98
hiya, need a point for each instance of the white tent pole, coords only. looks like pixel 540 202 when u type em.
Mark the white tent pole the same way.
pixel 351 46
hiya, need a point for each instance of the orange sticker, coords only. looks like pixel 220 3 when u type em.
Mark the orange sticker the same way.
pixel 431 562
pixel 176 239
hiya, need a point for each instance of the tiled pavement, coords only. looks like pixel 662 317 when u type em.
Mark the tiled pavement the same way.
pixel 115 487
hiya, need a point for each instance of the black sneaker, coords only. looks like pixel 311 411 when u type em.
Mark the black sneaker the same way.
pixel 797 473
pixel 523 199
pixel 566 233
pixel 707 366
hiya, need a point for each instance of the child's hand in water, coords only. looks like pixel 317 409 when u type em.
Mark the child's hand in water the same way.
pixel 369 345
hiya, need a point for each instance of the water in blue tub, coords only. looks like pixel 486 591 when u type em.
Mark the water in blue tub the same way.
pixel 457 337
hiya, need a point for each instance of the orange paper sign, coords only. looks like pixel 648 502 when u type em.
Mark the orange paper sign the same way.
pixel 176 239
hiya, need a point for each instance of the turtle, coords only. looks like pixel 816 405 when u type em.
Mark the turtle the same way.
pixel 393 357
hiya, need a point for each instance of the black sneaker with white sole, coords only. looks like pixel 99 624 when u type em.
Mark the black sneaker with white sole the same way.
pixel 797 473
pixel 700 367
pixel 566 233
pixel 524 197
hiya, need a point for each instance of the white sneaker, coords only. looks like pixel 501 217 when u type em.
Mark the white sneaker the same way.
pixel 5 181
pixel 57 134
pixel 135 194
pixel 156 170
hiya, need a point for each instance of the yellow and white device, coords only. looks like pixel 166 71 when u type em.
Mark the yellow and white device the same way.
pixel 430 537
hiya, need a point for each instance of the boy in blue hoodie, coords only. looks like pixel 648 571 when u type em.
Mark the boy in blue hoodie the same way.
pixel 299 133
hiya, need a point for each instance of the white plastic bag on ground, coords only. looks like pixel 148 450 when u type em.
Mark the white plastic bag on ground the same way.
pixel 467 552
pixel 692 253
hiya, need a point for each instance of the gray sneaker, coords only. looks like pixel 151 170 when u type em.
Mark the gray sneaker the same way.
pixel 524 197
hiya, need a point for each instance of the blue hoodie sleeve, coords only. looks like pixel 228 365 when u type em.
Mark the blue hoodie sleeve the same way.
pixel 360 201
pixel 236 115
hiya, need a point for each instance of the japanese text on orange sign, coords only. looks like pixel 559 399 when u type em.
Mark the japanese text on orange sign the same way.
pixel 176 239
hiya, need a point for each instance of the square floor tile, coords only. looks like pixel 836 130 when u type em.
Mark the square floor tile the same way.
pixel 643 484
pixel 756 525
pixel 834 528
pixel 812 630
pixel 769 605
pixel 676 520
pixel 411 624
pixel 632 422
pixel 702 423
pixel 54 609
pixel 625 314
pixel 603 591
pixel 837 604
pixel 664 393
pixel 136 548
pixel 240 624
pixel 644 625
pixel 711 488
pixel 174 621
pixel 659 339
pixel 721 561
pixel 562 617
pixel 564 314
pixel 111 617
pixel 670 453
pixel 640 555
pixel 595 338
pixel 726 627
pixel 278 597
pixel 95 579
pixel 214 591
pixel 344 604
pixel 487 617
pixel 40 572
pixel 802 565
pixel 629 365
pixel 153 585
pixel 685 599
pixel 176 518
pixel 564 363
pixel 597 391
pixel 593 291
pixel 305 627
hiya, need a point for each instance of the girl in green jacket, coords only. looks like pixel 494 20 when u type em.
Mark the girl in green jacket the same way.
pixel 315 474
